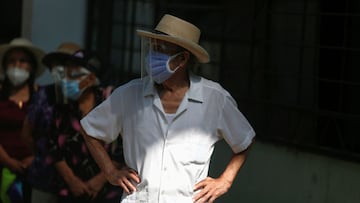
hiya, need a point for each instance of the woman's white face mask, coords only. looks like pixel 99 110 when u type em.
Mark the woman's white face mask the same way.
pixel 17 76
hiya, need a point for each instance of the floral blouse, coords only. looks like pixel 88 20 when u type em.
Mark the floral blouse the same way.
pixel 64 142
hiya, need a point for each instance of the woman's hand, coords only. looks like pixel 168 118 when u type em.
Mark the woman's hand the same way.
pixel 27 161
pixel 16 166
pixel 95 184
pixel 78 187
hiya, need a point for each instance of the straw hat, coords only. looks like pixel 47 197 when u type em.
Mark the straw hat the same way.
pixel 25 43
pixel 179 32
pixel 71 52
pixel 63 53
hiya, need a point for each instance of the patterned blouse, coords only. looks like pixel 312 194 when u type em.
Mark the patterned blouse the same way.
pixel 66 143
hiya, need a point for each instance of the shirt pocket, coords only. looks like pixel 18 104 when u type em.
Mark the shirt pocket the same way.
pixel 137 197
pixel 190 153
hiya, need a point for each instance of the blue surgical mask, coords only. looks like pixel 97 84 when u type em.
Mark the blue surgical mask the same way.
pixel 70 89
pixel 159 66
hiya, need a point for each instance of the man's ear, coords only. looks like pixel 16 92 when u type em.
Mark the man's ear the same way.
pixel 88 81
pixel 185 56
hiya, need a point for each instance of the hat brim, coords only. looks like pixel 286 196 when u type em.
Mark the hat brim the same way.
pixel 38 53
pixel 59 58
pixel 200 53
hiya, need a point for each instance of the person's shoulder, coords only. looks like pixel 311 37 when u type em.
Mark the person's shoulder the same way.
pixel 44 91
pixel 134 82
pixel 129 86
pixel 213 85
pixel 46 88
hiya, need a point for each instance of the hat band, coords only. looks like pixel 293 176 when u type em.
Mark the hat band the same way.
pixel 159 32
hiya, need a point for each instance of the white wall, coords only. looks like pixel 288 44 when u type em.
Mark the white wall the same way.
pixel 53 22
pixel 48 23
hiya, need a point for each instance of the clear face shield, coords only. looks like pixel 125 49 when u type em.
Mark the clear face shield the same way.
pixel 71 82
pixel 58 73
pixel 157 59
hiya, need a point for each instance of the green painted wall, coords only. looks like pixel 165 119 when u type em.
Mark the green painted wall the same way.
pixel 278 174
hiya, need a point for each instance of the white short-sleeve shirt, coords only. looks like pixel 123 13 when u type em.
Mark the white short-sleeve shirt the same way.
pixel 169 157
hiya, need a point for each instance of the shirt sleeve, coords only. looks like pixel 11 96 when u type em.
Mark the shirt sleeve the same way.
pixel 103 121
pixel 234 127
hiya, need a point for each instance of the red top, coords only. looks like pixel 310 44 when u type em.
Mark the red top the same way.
pixel 11 122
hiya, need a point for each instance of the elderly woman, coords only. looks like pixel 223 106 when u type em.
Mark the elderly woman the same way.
pixel 36 130
pixel 81 179
pixel 20 65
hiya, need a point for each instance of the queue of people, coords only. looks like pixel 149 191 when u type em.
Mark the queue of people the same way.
pixel 43 157
pixel 150 140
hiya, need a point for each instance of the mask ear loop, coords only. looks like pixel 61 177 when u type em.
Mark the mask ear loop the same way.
pixel 168 63
pixel 88 81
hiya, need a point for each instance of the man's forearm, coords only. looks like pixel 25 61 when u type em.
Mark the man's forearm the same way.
pixel 99 153
pixel 234 166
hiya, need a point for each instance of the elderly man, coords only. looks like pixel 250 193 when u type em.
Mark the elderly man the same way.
pixel 169 121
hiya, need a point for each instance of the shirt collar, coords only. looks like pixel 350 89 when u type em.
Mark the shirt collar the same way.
pixel 194 93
